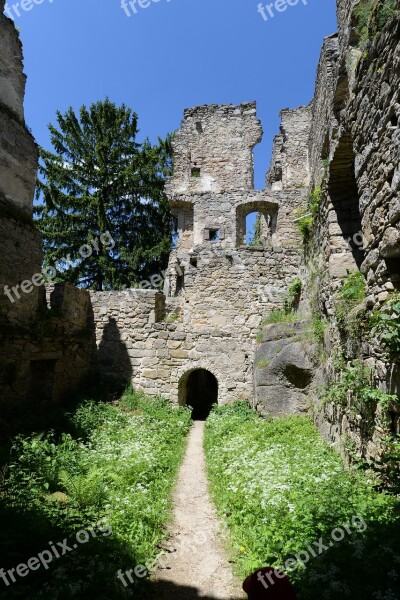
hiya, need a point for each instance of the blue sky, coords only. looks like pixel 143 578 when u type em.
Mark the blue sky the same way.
pixel 171 55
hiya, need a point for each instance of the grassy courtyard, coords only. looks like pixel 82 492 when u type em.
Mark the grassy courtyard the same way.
pixel 284 494
pixel 109 478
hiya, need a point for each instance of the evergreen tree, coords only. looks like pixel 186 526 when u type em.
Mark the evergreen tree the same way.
pixel 100 183
pixel 256 234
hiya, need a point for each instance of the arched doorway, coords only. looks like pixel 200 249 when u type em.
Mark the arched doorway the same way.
pixel 198 389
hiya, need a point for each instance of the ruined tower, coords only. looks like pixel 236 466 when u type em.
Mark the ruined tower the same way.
pixel 201 334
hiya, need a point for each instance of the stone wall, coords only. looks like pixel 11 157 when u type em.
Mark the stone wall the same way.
pixel 289 166
pixel 18 152
pixel 12 78
pixel 322 109
pixel 217 287
pixel 354 150
pixel 45 345
pixel 44 360
pixel 213 149
pixel 213 324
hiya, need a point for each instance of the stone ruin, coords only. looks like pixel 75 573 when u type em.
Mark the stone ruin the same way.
pixel 217 288
pixel 202 332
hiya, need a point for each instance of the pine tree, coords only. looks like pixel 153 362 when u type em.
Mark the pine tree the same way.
pixel 101 184
pixel 256 234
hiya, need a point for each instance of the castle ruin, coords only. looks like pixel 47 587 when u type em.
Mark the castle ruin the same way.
pixel 198 341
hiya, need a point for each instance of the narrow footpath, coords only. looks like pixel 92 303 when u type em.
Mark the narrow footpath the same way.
pixel 195 564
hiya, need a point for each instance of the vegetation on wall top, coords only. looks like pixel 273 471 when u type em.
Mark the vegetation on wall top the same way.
pixel 306 216
pixel 372 16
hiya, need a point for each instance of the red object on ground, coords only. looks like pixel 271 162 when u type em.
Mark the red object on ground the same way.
pixel 268 584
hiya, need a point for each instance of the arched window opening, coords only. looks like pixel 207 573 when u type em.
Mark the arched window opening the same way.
pixel 255 224
pixel 257 229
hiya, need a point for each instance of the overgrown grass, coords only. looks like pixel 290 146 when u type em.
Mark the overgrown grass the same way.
pixel 281 316
pixel 117 464
pixel 279 488
pixel 306 215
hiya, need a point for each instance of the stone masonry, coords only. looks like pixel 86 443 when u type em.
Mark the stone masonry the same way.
pixel 354 150
pixel 45 345
pixel 217 288
pixel 205 317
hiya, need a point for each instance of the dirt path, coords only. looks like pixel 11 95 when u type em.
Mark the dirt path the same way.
pixel 195 565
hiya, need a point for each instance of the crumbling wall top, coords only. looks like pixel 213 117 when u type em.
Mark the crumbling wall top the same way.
pixel 289 165
pixel 12 79
pixel 213 150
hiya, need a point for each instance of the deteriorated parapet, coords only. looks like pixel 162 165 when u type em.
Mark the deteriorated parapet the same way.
pixel 214 149
pixel 323 119
pixel 18 152
pixel 12 78
pixel 289 166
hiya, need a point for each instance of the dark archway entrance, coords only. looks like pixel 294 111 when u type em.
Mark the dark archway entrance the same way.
pixel 198 389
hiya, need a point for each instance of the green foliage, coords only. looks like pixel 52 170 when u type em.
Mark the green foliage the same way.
pixel 354 389
pixel 293 296
pixel 388 464
pixel 306 216
pixel 318 328
pixel 281 316
pixel 351 293
pixel 372 16
pixel 100 179
pixel 304 225
pixel 353 286
pixel 263 363
pixel 172 317
pixel 386 324
pixel 290 304
pixel 350 309
pixel 279 487
pixel 315 201
pixel 385 11
pixel 256 234
pixel 119 466
pixel 363 12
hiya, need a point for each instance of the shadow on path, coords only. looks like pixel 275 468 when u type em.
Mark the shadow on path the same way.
pixel 166 590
